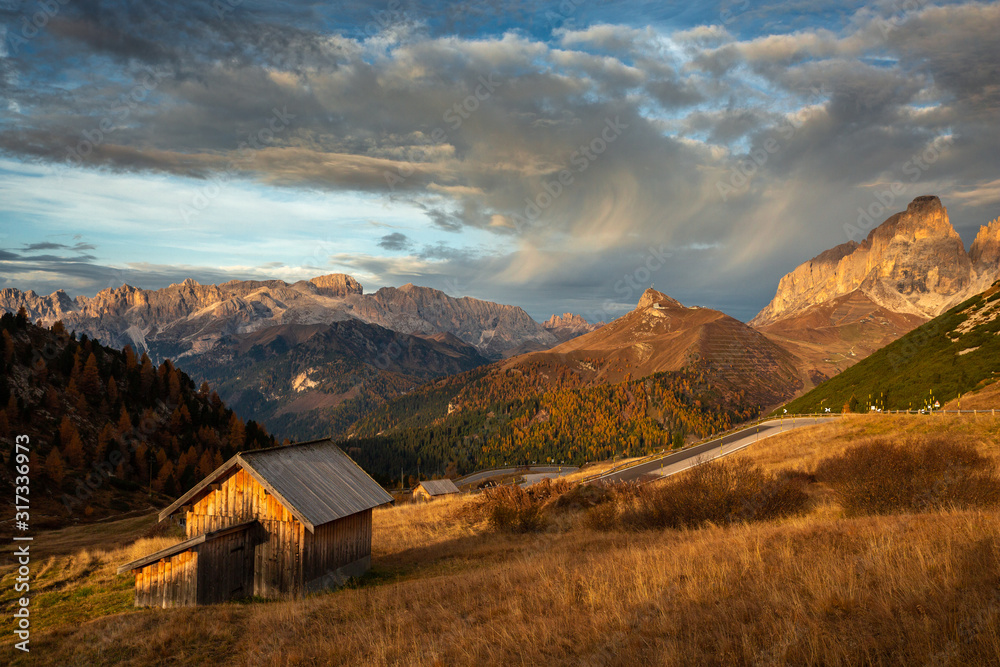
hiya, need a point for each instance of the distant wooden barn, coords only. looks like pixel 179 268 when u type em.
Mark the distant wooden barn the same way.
pixel 276 522
pixel 433 488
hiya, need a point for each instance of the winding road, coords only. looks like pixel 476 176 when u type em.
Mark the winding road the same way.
pixel 669 464
pixel 477 477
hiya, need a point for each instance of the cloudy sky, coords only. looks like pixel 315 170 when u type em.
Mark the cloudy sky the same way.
pixel 559 156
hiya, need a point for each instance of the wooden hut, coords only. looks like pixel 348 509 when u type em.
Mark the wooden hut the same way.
pixel 433 488
pixel 275 522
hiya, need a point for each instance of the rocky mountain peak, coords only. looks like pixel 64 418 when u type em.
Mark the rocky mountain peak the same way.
pixel 653 297
pixel 925 217
pixel 565 320
pixel 985 250
pixel 337 284
pixel 568 325
pixel 914 263
pixel 925 204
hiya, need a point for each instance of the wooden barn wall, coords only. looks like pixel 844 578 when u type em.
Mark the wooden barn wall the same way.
pixel 237 499
pixel 225 566
pixel 171 582
pixel 285 555
pixel 337 544
pixel 277 561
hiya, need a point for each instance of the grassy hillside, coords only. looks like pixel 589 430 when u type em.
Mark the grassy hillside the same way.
pixel 822 586
pixel 952 354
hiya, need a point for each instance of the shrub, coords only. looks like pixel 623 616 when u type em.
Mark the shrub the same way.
pixel 882 477
pixel 718 492
pixel 512 509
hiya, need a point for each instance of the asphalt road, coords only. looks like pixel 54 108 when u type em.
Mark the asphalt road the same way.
pixel 477 477
pixel 688 458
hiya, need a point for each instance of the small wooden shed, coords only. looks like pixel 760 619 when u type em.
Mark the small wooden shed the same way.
pixel 276 522
pixel 433 488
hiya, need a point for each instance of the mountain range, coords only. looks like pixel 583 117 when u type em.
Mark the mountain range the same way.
pixel 307 358
pixel 188 318
pixel 321 357
pixel 661 335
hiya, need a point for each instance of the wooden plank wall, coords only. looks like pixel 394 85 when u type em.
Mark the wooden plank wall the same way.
pixel 337 544
pixel 277 561
pixel 225 567
pixel 171 582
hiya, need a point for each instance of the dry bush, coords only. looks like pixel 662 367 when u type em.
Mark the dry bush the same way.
pixel 578 497
pixel 512 509
pixel 718 492
pixel 523 510
pixel 879 476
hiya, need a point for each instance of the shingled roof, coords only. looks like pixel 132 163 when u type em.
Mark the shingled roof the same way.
pixel 315 480
pixel 439 487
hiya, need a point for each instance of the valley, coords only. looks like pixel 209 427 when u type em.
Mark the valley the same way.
pixel 712 593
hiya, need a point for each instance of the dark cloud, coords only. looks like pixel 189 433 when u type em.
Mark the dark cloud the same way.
pixel 395 242
pixel 44 246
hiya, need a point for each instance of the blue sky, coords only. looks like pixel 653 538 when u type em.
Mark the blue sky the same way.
pixel 425 142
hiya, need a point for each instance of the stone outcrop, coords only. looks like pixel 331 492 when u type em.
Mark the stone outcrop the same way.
pixel 985 252
pixel 568 325
pixel 913 263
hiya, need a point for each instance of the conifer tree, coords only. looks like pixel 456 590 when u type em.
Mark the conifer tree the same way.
pixel 90 379
pixel 74 452
pixel 55 468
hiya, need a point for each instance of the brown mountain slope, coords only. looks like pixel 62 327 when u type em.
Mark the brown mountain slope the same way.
pixel 829 337
pixel 663 335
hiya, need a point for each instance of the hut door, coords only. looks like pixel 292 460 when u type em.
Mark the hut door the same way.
pixel 238 572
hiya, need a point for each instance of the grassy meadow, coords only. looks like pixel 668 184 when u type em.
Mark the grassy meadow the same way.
pixel 788 559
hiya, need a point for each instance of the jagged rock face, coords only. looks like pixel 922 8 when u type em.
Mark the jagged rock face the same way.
pixel 913 263
pixel 189 318
pixel 651 298
pixel 568 325
pixel 490 327
pixel 985 251
pixel 337 284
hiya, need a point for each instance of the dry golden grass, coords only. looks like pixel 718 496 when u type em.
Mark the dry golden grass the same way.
pixel 598 468
pixel 817 589
pixel 803 449
pixel 74 573
pixel 986 398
